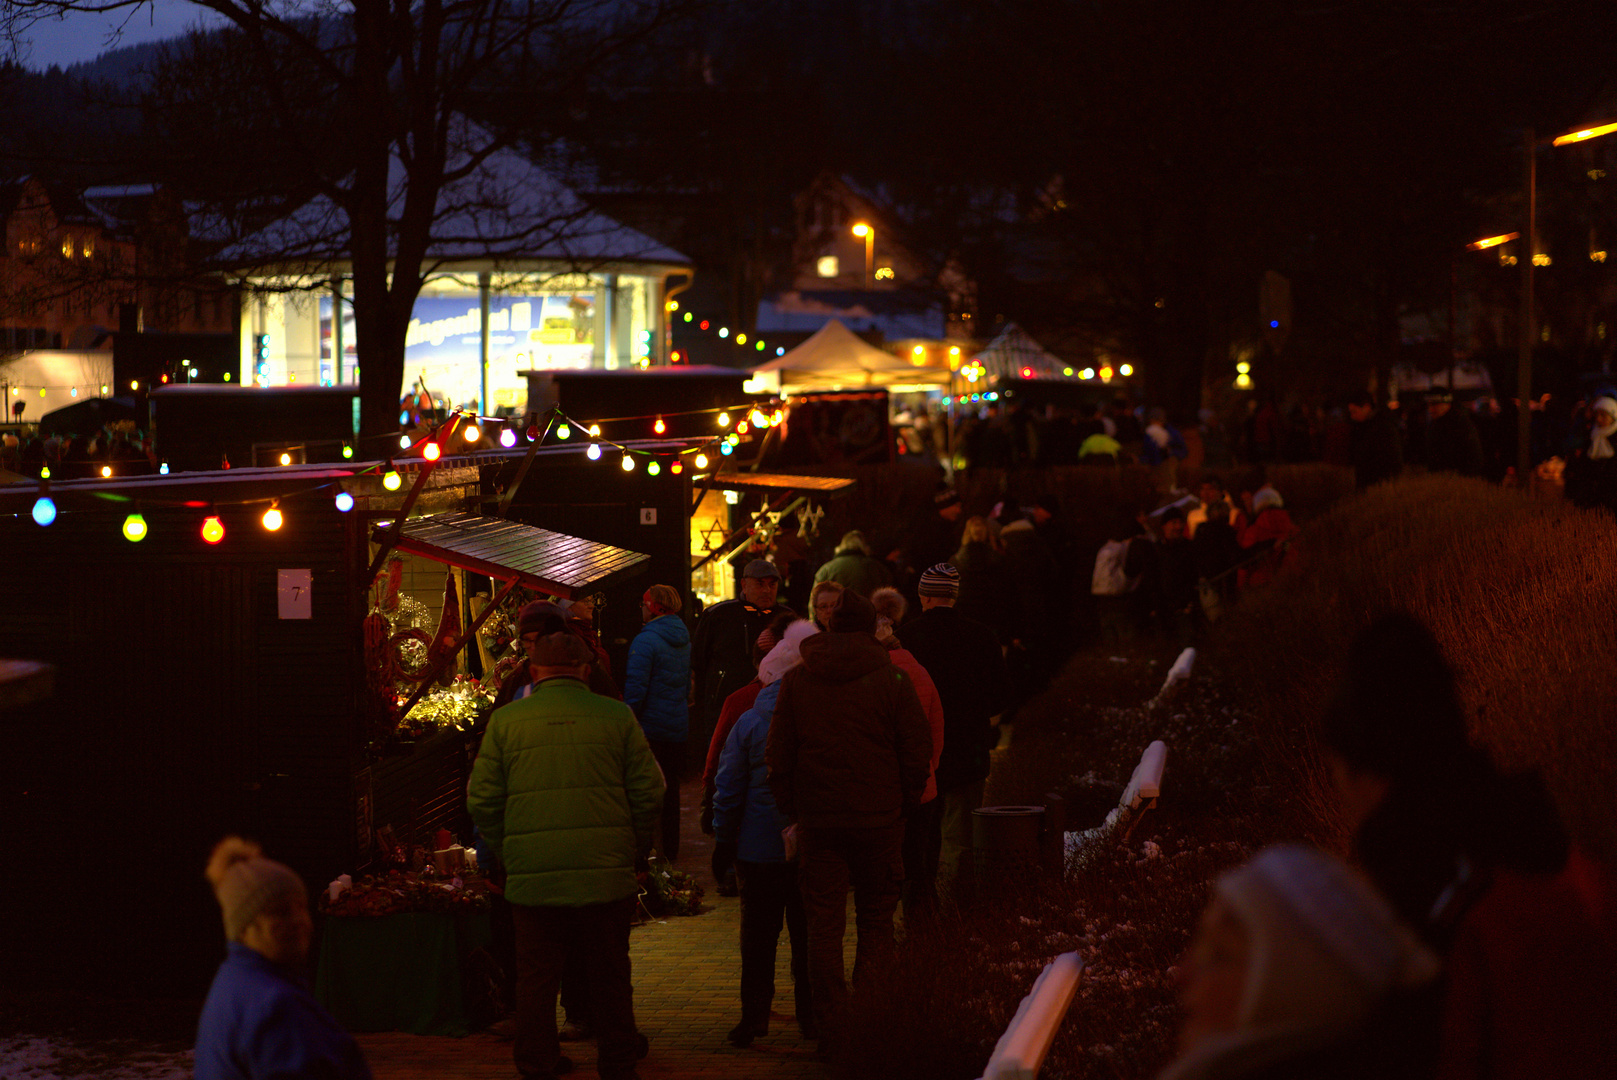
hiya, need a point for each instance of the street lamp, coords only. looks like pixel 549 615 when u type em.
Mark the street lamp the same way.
pixel 869 234
pixel 1529 328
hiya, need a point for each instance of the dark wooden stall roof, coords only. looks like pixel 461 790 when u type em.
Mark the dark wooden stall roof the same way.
pixel 552 562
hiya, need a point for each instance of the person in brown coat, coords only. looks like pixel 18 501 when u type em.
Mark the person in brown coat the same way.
pixel 849 754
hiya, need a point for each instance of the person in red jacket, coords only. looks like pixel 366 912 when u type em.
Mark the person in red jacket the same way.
pixel 1271 531
pixel 848 753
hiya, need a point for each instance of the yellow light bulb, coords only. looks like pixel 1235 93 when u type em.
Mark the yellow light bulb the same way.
pixel 724 419
pixel 273 519
pixel 472 432
pixel 701 461
pixel 134 528
pixel 628 463
pixel 286 459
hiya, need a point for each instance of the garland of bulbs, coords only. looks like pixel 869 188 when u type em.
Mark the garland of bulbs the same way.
pixel 430 447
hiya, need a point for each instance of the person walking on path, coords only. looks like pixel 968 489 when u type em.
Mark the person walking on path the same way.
pixel 566 789
pixel 848 755
pixel 260 1020
pixel 659 674
pixel 964 659
pixel 747 831
pixel 721 650
pixel 854 567
pixel 920 857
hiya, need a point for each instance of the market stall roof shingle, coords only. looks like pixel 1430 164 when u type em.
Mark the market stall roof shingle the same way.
pixel 552 562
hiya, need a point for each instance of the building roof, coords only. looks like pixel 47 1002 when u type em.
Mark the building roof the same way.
pixel 506 210
pixel 775 483
pixel 552 562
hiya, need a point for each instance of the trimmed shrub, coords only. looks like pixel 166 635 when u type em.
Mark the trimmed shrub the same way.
pixel 1517 592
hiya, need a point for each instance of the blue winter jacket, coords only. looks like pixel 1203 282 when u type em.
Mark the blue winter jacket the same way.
pixel 259 1021
pixel 658 683
pixel 743 804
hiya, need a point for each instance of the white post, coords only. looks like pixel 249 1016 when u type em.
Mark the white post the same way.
pixel 1020 1052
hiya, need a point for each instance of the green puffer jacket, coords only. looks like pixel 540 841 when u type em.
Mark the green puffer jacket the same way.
pixel 566 790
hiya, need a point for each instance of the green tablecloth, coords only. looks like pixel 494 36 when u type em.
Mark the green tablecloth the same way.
pixel 399 972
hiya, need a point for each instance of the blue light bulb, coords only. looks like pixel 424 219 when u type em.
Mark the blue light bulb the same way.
pixel 345 501
pixel 44 510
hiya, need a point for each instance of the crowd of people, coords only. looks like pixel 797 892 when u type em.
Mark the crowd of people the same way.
pixel 1439 431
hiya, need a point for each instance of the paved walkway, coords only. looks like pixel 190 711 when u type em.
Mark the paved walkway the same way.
pixel 687 974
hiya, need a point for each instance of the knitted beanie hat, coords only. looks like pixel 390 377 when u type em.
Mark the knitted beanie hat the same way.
pixel 247 884
pixel 940 580
pixel 1325 946
pixel 540 617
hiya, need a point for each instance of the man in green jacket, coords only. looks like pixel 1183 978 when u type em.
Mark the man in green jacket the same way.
pixel 566 791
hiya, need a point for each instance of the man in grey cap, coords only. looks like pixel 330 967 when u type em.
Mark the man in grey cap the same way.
pixel 721 653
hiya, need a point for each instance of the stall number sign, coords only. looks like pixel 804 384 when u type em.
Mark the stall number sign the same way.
pixel 293 593
pixel 648 515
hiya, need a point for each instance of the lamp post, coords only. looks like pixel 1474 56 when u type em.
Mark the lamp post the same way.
pixel 869 234
pixel 1529 326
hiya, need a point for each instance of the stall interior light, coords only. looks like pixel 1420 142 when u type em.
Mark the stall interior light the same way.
pixel 272 517
pixel 213 530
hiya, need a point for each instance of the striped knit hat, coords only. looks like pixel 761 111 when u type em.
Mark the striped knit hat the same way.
pixel 941 580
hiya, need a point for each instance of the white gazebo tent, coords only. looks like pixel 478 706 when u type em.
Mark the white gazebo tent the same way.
pixel 835 358
pixel 1013 351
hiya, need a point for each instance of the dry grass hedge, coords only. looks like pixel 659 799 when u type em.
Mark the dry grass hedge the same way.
pixel 1519 593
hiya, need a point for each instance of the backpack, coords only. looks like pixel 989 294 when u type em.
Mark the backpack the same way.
pixel 1110 578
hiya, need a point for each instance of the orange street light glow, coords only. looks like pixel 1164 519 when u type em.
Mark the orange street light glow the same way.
pixel 861 229
pixel 1585 134
pixel 1491 241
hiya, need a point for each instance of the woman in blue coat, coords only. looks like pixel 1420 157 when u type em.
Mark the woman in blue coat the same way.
pixel 657 686
pixel 260 1021
pixel 747 833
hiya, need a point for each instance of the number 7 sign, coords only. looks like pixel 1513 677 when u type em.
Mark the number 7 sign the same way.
pixel 293 593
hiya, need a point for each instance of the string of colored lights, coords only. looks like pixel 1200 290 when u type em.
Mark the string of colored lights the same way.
pixel 135 528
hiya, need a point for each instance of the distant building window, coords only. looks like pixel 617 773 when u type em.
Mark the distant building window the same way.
pixel 69 248
pixel 826 266
pixel 87 246
pixel 884 273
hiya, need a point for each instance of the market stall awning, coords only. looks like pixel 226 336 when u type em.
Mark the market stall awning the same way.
pixel 552 562
pixel 779 483
pixel 23 682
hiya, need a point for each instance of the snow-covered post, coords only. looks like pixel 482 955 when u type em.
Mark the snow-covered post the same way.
pixel 1020 1052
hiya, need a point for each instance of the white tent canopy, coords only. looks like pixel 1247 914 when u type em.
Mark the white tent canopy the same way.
pixel 1015 349
pixel 835 357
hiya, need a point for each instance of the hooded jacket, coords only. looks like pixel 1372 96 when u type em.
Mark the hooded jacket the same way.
pixel 566 791
pixel 658 678
pixel 964 659
pixel 744 810
pixel 849 745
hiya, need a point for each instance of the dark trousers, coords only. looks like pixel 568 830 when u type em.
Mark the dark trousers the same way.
pixel 833 859
pixel 671 758
pixel 923 841
pixel 769 893
pixel 597 935
pixel 503 947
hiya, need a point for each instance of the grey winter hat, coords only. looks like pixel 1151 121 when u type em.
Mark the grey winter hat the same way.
pixel 761 568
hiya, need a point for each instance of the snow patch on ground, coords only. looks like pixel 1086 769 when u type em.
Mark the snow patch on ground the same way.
pixel 27 1057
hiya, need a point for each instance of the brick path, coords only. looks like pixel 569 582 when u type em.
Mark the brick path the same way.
pixel 687 974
